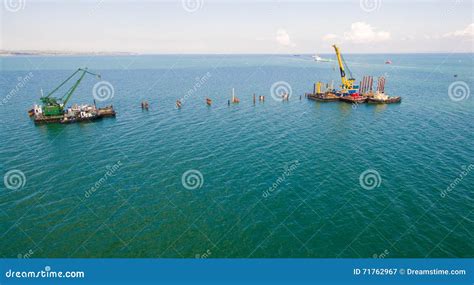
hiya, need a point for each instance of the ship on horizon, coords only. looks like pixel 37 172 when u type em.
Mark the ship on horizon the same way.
pixel 320 59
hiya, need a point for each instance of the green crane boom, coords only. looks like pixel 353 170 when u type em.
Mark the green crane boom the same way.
pixel 53 106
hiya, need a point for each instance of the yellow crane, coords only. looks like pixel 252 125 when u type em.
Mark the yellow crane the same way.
pixel 347 83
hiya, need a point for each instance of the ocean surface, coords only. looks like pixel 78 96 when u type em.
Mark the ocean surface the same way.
pixel 271 179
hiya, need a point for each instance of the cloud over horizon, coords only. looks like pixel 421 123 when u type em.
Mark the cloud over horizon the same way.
pixel 467 32
pixel 360 33
pixel 283 38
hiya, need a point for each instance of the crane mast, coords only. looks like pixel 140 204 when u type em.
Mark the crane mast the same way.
pixel 346 83
pixel 53 106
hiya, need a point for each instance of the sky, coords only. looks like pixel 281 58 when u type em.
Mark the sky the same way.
pixel 226 27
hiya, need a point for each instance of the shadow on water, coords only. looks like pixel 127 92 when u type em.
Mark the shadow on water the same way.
pixel 50 130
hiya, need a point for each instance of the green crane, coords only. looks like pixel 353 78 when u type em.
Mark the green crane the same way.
pixel 53 106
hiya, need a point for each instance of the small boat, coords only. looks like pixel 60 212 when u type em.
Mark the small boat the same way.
pixel 320 59
pixel 381 98
pixel 389 100
pixel 388 61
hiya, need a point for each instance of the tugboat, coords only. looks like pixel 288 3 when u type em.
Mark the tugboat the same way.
pixel 379 96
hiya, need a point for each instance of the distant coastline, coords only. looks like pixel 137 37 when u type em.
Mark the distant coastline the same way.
pixel 57 53
pixel 7 53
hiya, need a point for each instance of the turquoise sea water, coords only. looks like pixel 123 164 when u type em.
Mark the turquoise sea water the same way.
pixel 306 156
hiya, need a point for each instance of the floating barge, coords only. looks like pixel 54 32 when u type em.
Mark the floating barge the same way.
pixel 353 99
pixel 328 95
pixel 75 114
pixel 323 97
pixel 350 91
pixel 53 108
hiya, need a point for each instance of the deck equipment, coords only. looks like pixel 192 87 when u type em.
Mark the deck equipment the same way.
pixel 54 106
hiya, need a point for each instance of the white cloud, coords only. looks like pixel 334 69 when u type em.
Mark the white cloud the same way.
pixel 283 38
pixel 468 32
pixel 360 32
pixel 331 37
pixel 364 33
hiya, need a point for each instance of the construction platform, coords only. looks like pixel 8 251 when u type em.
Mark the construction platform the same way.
pixel 353 99
pixel 85 113
pixel 322 97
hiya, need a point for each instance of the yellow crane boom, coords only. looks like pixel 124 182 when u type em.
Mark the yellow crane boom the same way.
pixel 346 83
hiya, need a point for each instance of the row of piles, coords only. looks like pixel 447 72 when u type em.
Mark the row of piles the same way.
pixel 234 100
pixel 366 85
